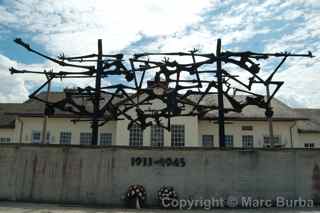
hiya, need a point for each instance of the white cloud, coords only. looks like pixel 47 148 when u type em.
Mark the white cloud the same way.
pixel 175 25
pixel 74 26
pixel 17 87
pixel 301 87
pixel 6 17
pixel 12 89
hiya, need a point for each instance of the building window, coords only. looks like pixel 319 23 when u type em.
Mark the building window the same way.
pixel 65 137
pixel 135 136
pixel 177 135
pixel 267 141
pixel 207 140
pixel 85 138
pixel 36 136
pixel 309 145
pixel 247 128
pixel 247 141
pixel 105 139
pixel 228 141
pixel 157 136
pixel 5 140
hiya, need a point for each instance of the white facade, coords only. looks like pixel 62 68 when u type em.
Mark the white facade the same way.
pixel 248 129
pixel 27 130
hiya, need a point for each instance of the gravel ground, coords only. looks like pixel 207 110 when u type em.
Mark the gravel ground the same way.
pixel 14 207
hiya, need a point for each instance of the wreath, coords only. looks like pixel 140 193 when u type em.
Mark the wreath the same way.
pixel 165 195
pixel 136 196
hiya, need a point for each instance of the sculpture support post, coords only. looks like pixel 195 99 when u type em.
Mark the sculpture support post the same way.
pixel 269 117
pixel 220 96
pixel 95 122
pixel 45 118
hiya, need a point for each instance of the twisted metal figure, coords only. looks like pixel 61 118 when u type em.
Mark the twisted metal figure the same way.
pixel 172 87
pixel 95 104
pixel 184 88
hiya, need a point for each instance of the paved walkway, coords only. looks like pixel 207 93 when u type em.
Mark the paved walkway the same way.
pixel 12 207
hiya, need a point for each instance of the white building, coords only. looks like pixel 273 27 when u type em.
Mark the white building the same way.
pixel 293 128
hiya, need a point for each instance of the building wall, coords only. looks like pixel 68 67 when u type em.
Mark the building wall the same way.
pixel 55 126
pixel 308 138
pixel 118 129
pixel 260 129
pixel 194 130
pixel 191 132
pixel 190 123
pixel 103 175
pixel 7 133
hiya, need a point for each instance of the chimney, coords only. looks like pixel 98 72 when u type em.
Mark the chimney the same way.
pixel 159 86
pixel 157 81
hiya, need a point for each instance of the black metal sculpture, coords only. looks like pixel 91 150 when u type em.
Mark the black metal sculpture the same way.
pixel 104 101
pixel 203 81
pixel 178 88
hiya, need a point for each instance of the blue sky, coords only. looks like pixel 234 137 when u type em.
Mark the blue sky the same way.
pixel 73 27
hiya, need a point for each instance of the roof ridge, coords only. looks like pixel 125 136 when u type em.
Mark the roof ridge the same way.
pixel 306 108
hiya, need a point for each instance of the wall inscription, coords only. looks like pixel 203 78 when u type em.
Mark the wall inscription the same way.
pixel 164 162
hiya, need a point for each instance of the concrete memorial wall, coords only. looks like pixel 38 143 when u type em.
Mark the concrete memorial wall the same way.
pixel 102 175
